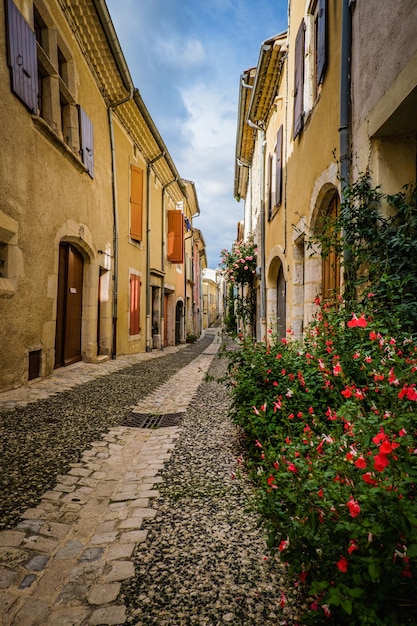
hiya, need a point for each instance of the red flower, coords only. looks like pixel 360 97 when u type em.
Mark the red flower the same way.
pixel 342 564
pixel 368 479
pixel 380 462
pixel 352 546
pixel 353 506
pixel 292 468
pixel 361 463
pixel 357 321
pixel 283 545
pixel 346 392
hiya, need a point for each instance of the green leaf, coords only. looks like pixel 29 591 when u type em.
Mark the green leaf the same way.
pixel 412 551
pixel 347 606
pixel 374 571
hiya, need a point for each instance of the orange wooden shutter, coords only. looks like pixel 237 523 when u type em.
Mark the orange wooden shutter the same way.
pixel 175 237
pixel 136 202
pixel 134 320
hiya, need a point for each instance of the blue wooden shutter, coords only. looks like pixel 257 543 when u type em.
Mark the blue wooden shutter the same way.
pixel 22 57
pixel 321 40
pixel 278 176
pixel 87 142
pixel 299 82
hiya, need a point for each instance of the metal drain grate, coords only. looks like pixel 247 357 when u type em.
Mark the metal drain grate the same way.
pixel 150 420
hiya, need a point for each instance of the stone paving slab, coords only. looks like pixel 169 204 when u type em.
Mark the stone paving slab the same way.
pixel 65 561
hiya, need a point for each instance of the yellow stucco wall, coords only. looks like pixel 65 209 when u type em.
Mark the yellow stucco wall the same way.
pixel 47 197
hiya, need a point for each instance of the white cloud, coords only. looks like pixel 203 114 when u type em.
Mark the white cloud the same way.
pixel 179 52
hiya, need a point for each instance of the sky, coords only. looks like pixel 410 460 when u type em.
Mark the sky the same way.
pixel 186 58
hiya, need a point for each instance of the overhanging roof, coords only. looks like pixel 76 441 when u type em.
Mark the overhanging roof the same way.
pixel 258 88
pixel 93 28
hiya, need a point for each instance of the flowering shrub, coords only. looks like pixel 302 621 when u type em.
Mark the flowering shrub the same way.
pixel 331 429
pixel 239 267
pixel 239 264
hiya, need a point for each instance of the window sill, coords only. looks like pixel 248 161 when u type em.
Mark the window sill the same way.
pixel 51 135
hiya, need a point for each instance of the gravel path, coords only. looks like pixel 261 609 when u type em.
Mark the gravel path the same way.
pixel 204 561
pixel 40 440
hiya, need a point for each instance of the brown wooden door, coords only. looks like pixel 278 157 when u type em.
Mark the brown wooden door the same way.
pixel 331 262
pixel 69 306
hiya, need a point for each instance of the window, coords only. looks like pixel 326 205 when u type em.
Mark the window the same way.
pixel 136 202
pixel 175 236
pixel 42 76
pixel 271 185
pixel 278 168
pixel 275 176
pixel 299 81
pixel 316 51
pixel 134 306
pixel 22 58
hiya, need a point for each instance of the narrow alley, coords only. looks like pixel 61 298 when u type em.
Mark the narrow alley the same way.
pixel 120 503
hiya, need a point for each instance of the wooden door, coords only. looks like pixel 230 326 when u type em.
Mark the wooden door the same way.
pixel 331 262
pixel 69 306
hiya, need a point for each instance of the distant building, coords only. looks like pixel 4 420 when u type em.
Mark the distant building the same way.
pixel 211 297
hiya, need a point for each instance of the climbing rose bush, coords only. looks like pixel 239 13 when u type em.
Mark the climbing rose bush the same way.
pixel 331 435
pixel 239 264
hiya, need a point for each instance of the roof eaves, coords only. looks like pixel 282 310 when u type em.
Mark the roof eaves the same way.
pixel 268 73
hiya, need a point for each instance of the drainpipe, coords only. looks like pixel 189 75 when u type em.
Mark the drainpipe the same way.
pixel 262 149
pixel 115 216
pixel 345 93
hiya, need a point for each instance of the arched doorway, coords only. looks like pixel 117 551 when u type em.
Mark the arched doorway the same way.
pixel 69 306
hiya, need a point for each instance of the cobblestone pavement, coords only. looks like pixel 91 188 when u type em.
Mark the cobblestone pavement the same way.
pixel 64 563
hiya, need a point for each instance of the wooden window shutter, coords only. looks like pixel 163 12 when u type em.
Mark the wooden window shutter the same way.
pixel 175 236
pixel 321 40
pixel 136 202
pixel 278 178
pixel 270 199
pixel 87 142
pixel 299 81
pixel 134 308
pixel 22 57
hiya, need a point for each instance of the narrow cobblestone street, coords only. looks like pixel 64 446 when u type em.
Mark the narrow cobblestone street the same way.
pixel 148 525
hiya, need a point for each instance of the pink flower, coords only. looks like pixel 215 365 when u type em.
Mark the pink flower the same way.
pixel 337 369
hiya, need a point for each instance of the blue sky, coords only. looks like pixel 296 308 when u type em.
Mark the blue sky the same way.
pixel 186 57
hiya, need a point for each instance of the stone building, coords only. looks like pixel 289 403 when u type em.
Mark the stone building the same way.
pixel 93 212
pixel 329 99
